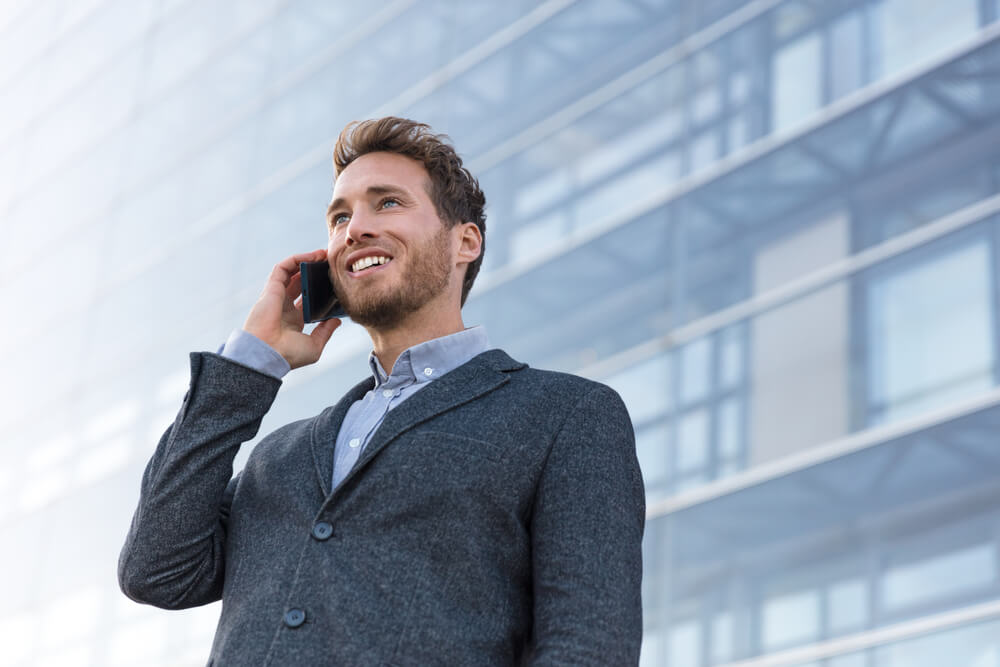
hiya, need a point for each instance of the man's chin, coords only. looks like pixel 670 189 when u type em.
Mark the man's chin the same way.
pixel 376 315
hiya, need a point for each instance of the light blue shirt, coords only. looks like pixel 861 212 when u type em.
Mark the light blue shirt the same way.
pixel 415 368
pixel 247 349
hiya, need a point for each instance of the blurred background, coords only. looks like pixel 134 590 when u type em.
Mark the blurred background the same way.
pixel 772 225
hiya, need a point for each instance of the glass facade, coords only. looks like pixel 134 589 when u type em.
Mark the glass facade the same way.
pixel 772 225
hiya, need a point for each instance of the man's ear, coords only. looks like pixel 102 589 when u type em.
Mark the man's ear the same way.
pixel 470 243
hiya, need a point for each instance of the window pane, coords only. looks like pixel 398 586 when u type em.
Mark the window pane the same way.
pixel 599 204
pixel 696 370
pixel 847 66
pixel 652 447
pixel 847 605
pixel 541 236
pixel 738 132
pixel 645 388
pixel 685 645
pixel 790 619
pixel 704 149
pixel 629 146
pixel 915 31
pixel 931 332
pixel 692 445
pixel 653 651
pixel 967 570
pixel 706 105
pixel 722 637
pixel 731 356
pixel 797 82
pixel 730 434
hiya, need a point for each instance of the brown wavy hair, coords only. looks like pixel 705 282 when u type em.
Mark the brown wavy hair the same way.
pixel 454 190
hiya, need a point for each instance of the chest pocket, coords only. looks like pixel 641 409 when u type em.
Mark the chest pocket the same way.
pixel 429 473
pixel 440 444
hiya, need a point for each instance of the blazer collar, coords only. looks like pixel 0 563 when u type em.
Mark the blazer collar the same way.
pixel 480 375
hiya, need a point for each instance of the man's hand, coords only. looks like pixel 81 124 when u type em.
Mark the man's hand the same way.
pixel 276 318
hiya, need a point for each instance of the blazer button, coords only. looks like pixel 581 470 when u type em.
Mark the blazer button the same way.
pixel 294 618
pixel 322 531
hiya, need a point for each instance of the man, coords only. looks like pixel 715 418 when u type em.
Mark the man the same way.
pixel 462 509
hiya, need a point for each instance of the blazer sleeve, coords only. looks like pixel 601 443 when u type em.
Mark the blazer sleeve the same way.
pixel 174 554
pixel 586 532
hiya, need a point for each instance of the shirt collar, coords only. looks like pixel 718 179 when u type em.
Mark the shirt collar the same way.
pixel 433 358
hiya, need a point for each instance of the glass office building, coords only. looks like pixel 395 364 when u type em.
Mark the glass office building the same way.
pixel 772 225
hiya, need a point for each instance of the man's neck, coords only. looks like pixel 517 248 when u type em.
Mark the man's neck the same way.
pixel 390 343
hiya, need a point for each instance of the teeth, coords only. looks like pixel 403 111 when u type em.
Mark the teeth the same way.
pixel 368 261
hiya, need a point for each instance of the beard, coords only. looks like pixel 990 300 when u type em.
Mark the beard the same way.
pixel 425 276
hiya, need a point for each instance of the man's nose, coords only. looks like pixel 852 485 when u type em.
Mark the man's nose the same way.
pixel 360 227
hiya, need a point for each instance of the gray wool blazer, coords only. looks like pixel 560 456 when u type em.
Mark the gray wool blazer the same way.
pixel 495 518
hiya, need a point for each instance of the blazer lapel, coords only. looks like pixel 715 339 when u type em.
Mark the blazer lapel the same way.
pixel 478 376
pixel 326 428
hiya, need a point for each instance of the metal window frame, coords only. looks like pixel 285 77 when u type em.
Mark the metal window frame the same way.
pixel 875 638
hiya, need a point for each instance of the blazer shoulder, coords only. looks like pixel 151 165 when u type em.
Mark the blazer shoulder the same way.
pixel 526 374
pixel 574 388
pixel 558 380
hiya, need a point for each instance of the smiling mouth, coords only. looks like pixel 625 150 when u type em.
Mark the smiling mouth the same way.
pixel 368 265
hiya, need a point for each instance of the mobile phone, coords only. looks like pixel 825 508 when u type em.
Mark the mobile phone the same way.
pixel 318 300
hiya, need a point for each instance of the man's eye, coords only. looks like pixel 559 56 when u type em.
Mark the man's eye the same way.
pixel 340 218
pixel 389 203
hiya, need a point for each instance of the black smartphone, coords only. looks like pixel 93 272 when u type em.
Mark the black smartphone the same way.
pixel 318 300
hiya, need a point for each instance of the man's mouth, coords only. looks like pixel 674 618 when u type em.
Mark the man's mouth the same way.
pixel 368 264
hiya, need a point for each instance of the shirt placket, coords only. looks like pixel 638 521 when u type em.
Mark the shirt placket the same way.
pixel 387 393
pixel 379 405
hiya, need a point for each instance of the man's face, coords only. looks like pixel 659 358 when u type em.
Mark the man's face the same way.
pixel 389 253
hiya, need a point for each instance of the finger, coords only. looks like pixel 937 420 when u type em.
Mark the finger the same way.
pixel 289 293
pixel 284 270
pixel 294 287
pixel 321 334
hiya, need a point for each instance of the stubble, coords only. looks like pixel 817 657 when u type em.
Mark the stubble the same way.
pixel 425 276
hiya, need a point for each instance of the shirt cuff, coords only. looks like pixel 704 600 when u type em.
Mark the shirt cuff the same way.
pixel 245 348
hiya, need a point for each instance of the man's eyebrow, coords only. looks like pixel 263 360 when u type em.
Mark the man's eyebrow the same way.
pixel 335 204
pixel 340 202
pixel 387 190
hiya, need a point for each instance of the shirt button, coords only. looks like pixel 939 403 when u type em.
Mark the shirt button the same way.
pixel 428 371
pixel 322 530
pixel 387 392
pixel 355 442
pixel 294 618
